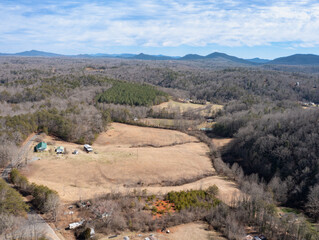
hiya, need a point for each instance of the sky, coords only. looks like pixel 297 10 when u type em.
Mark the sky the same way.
pixel 247 29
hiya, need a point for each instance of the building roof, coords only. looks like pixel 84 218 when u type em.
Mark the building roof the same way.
pixel 41 146
pixel 59 149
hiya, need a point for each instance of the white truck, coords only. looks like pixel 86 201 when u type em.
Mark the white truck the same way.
pixel 88 148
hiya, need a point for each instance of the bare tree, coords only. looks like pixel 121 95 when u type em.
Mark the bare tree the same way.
pixel 52 205
pixel 312 205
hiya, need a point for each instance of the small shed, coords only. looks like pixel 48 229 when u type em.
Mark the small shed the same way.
pixel 41 146
pixel 59 150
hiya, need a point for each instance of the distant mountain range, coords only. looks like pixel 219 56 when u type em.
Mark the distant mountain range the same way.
pixel 297 59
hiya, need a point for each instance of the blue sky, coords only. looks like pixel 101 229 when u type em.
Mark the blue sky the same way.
pixel 266 29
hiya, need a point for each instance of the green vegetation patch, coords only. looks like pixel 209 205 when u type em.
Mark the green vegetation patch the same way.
pixel 192 198
pixel 11 201
pixel 133 94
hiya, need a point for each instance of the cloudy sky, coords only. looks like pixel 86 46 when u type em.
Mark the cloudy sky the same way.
pixel 251 28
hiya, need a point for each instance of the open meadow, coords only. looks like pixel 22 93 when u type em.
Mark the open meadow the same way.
pixel 126 157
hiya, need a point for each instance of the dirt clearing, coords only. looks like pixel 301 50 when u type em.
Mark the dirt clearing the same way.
pixel 189 231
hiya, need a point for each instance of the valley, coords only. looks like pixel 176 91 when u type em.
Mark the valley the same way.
pixel 199 148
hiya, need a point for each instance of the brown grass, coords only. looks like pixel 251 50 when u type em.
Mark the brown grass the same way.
pixel 221 142
pixel 173 106
pixel 118 165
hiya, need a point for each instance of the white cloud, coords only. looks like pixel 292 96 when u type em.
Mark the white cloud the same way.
pixel 160 23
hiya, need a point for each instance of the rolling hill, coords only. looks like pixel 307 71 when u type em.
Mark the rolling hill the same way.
pixel 297 59
pixel 258 60
pixel 35 53
pixel 143 56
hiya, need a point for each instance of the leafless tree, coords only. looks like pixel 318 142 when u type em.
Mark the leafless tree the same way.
pixel 312 205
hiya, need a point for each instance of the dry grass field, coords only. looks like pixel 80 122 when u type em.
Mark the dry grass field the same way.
pixel 126 157
pixel 173 106
pixel 221 142
pixel 168 123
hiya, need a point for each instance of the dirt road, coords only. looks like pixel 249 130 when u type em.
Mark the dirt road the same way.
pixel 33 228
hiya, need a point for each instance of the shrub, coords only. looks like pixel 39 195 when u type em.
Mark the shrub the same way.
pixel 213 190
pixel 85 235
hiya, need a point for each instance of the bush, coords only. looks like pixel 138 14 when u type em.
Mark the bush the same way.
pixel 213 190
pixel 84 235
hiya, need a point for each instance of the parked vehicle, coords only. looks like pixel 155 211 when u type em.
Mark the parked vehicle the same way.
pixel 88 148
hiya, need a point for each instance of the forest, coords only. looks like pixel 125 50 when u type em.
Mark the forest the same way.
pixel 286 146
pixel 132 94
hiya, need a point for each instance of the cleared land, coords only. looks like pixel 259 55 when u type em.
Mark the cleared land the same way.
pixel 188 231
pixel 167 123
pixel 173 106
pixel 170 123
pixel 125 158
pixel 221 142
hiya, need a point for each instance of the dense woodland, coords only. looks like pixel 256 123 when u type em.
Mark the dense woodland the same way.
pixel 132 94
pixel 274 156
pixel 286 145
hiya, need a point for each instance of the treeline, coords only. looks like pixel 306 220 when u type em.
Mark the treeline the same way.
pixel 45 199
pixel 132 94
pixel 13 211
pixel 281 148
pixel 67 124
pixel 38 89
pixel 11 201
